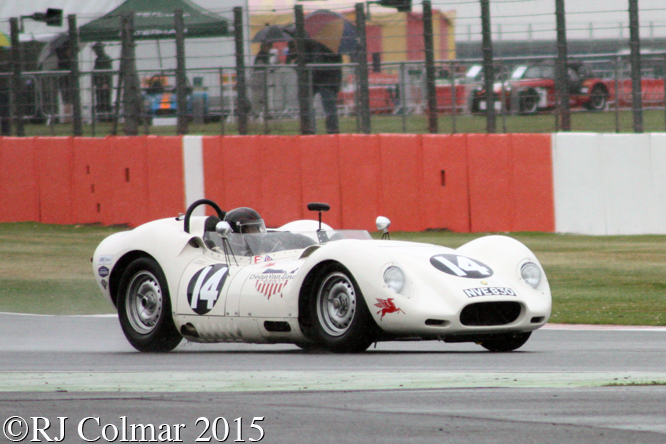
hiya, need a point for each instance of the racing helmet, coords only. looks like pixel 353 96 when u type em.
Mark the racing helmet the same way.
pixel 245 220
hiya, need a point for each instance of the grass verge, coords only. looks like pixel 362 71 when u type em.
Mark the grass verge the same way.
pixel 46 269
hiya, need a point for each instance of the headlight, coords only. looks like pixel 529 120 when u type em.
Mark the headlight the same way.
pixel 531 274
pixel 394 279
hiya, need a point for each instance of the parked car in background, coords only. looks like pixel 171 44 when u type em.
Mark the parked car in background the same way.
pixel 531 89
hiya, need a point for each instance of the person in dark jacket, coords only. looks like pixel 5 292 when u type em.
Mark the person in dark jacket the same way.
pixel 103 83
pixel 325 81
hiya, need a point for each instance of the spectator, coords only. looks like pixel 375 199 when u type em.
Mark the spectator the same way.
pixel 325 81
pixel 103 83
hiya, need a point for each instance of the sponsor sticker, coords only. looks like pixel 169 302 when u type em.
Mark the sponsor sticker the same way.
pixel 104 283
pixel 103 271
pixel 387 306
pixel 272 281
pixel 259 259
pixel 489 291
pixel 461 266
pixel 205 287
pixel 105 259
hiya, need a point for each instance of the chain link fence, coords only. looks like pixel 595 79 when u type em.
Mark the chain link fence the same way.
pixel 526 91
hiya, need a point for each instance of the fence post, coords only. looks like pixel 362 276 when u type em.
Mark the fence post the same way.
pixel 635 45
pixel 488 71
pixel 16 98
pixel 430 67
pixel 181 80
pixel 301 73
pixel 131 88
pixel 74 75
pixel 362 70
pixel 241 84
pixel 562 56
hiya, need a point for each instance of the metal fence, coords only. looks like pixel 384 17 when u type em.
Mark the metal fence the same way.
pixel 405 96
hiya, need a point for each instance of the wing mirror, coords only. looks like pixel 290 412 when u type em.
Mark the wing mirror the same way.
pixel 223 228
pixel 383 224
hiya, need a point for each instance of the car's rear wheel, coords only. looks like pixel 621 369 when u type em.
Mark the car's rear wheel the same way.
pixel 144 308
pixel 598 99
pixel 339 315
pixel 529 102
pixel 506 342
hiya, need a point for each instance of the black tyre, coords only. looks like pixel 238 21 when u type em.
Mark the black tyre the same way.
pixel 598 99
pixel 144 308
pixel 506 342
pixel 529 102
pixel 340 319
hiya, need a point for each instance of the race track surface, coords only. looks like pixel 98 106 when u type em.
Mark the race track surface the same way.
pixel 582 384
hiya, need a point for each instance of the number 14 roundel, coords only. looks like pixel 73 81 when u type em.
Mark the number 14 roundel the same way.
pixel 205 287
pixel 461 266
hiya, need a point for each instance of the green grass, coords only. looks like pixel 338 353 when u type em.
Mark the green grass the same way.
pixel 594 279
pixel 653 121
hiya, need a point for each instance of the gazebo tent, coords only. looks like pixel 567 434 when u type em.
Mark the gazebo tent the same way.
pixel 155 20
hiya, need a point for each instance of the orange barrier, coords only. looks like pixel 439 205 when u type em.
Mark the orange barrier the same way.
pixel 92 199
pixel 19 189
pixel 280 168
pixel 360 178
pixel 532 170
pixel 401 181
pixel 462 182
pixel 165 182
pixel 490 182
pixel 445 185
pixel 320 172
pixel 53 170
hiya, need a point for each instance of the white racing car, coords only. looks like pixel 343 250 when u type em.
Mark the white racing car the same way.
pixel 226 278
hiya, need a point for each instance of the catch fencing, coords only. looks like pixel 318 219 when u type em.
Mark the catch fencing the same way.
pixel 407 78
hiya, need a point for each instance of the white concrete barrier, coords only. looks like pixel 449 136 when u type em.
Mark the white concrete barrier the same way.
pixel 609 184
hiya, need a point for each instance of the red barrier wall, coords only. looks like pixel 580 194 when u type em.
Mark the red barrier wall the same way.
pixel 532 170
pixel 401 181
pixel 53 170
pixel 489 176
pixel 320 172
pixel 462 183
pixel 445 184
pixel 360 177
pixel 19 188
pixel 92 200
pixel 165 182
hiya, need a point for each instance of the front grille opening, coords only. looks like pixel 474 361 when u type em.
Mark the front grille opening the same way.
pixel 437 323
pixel 537 319
pixel 490 313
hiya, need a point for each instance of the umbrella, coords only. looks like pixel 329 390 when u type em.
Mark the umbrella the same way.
pixel 270 34
pixel 5 42
pixel 331 30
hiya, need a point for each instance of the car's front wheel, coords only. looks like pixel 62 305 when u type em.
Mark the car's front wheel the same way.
pixel 506 342
pixel 144 308
pixel 340 319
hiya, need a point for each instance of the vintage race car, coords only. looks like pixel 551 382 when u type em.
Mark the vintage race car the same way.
pixel 208 279
pixel 531 89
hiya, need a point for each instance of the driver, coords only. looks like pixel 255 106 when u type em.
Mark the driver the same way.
pixel 245 220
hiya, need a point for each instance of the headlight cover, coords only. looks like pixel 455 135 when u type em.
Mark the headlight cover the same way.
pixel 394 278
pixel 531 274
